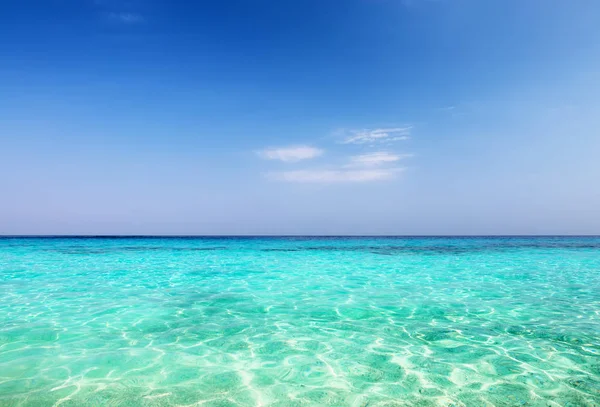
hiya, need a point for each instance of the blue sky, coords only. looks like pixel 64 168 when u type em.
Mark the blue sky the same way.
pixel 299 117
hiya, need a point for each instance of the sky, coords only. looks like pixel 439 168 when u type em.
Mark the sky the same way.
pixel 300 117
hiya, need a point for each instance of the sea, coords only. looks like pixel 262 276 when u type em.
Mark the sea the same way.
pixel 299 321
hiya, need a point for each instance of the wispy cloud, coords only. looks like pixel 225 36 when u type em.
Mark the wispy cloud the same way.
pixel 126 18
pixel 366 136
pixel 447 108
pixel 335 176
pixel 290 154
pixel 366 167
pixel 376 159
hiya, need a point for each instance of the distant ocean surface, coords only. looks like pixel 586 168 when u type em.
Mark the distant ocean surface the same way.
pixel 359 322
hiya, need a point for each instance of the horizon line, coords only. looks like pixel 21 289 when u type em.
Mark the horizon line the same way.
pixel 288 236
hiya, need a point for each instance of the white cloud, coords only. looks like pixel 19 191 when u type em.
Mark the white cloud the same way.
pixel 290 154
pixel 376 159
pixel 378 135
pixel 331 176
pixel 447 108
pixel 126 18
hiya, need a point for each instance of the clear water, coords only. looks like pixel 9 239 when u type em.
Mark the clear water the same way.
pixel 300 322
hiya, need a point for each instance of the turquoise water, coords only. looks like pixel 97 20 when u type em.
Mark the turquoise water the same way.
pixel 300 322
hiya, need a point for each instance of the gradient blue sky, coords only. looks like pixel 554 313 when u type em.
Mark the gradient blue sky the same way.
pixel 300 117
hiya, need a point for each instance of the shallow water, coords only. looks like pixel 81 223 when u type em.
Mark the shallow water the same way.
pixel 300 322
